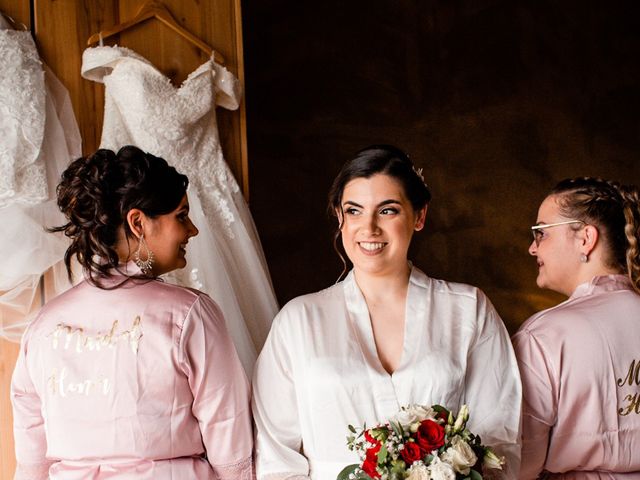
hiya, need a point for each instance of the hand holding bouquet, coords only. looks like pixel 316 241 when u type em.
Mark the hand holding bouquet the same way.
pixel 420 443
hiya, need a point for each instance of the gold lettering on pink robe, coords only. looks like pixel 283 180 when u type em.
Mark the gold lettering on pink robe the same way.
pixel 59 384
pixel 631 400
pixel 64 335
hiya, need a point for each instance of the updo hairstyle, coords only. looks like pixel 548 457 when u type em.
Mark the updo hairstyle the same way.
pixel 378 160
pixel 615 210
pixel 96 194
pixel 383 160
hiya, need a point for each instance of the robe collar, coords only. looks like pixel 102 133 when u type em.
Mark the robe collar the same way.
pixel 601 284
pixel 416 306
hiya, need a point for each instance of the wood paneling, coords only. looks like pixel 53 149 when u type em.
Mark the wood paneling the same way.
pixel 63 27
pixel 8 355
pixel 18 11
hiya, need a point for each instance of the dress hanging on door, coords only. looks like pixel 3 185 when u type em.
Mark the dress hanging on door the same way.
pixel 179 124
pixel 39 136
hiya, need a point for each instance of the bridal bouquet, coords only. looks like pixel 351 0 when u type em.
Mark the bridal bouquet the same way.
pixel 420 443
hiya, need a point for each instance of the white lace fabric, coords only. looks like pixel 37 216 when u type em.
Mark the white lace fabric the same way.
pixel 179 124
pixel 22 120
pixel 238 471
pixel 39 136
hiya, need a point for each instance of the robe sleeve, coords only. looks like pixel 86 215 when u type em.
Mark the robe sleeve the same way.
pixel 493 390
pixel 275 411
pixel 28 424
pixel 540 406
pixel 221 398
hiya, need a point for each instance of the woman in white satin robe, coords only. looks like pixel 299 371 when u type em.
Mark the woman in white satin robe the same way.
pixel 385 337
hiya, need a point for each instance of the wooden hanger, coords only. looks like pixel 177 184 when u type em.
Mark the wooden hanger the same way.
pixel 7 22
pixel 155 9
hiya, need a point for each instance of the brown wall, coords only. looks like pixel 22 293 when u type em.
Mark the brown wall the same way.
pixel 497 100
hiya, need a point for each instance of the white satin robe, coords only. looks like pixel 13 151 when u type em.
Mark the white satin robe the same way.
pixel 319 372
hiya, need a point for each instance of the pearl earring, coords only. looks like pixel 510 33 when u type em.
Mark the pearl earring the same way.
pixel 584 258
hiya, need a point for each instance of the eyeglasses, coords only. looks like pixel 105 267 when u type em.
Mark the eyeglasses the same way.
pixel 538 230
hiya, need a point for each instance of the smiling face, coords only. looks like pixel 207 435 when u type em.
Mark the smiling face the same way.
pixel 377 224
pixel 167 236
pixel 558 251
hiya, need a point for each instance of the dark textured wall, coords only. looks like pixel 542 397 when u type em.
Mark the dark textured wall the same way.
pixel 496 100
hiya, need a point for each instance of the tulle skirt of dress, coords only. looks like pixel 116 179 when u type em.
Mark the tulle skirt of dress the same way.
pixel 227 263
pixel 32 258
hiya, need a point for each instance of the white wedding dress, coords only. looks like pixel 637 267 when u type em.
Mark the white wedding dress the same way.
pixel 179 124
pixel 39 136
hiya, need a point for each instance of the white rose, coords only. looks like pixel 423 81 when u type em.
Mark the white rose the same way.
pixel 418 472
pixel 439 470
pixel 491 460
pixel 460 456
pixel 412 415
pixel 424 413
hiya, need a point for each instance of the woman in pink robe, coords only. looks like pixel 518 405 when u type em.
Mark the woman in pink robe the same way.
pixel 580 361
pixel 125 376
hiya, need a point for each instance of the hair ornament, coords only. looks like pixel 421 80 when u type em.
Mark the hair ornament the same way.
pixel 418 172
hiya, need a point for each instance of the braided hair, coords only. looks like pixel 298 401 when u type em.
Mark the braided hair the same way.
pixel 614 209
pixel 97 192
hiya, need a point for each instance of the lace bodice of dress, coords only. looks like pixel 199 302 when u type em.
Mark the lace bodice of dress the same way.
pixel 143 107
pixel 22 120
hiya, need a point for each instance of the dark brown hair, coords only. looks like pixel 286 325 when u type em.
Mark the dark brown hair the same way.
pixel 374 160
pixel 96 194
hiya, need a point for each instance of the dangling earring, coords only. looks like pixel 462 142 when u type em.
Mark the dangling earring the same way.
pixel 145 265
pixel 584 258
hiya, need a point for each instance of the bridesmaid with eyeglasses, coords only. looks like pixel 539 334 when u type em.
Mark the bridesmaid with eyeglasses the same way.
pixel 580 360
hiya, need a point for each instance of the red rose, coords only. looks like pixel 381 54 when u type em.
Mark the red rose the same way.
pixel 430 436
pixel 369 438
pixel 371 461
pixel 411 453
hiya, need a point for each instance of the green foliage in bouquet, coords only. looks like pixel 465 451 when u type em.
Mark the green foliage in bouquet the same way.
pixel 420 443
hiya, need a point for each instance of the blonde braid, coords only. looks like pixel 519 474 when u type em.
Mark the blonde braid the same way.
pixel 631 207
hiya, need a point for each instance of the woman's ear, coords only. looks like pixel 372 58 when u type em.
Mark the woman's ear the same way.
pixel 589 239
pixel 421 216
pixel 340 217
pixel 135 220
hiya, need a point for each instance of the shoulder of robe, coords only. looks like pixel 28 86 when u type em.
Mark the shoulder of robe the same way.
pixel 557 321
pixel 311 304
pixel 454 289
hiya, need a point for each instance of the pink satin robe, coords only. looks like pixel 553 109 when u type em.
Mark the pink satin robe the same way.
pixel 139 382
pixel 580 369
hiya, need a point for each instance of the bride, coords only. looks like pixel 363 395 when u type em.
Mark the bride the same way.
pixel 385 337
